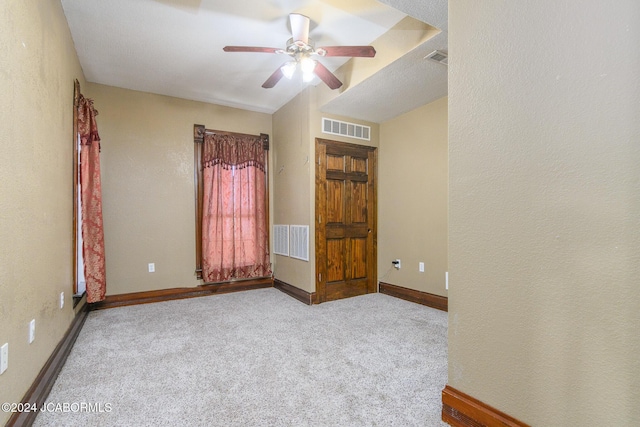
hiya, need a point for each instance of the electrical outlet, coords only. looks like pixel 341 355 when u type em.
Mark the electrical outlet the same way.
pixel 421 267
pixel 61 300
pixel 32 330
pixel 4 357
pixel 397 264
pixel 152 267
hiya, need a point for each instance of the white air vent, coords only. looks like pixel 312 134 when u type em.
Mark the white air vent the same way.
pixel 300 242
pixel 350 130
pixel 281 240
pixel 438 56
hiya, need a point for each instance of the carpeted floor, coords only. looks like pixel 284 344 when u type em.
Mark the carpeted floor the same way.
pixel 255 358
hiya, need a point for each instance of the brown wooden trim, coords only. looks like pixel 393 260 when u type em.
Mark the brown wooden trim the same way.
pixel 198 140
pixel 76 102
pixel 461 410
pixel 352 148
pixel 321 229
pixel 265 141
pixel 198 133
pixel 424 298
pixel 39 390
pixel 225 132
pixel 147 297
pixel 322 148
pixel 297 293
pixel 267 219
pixel 373 218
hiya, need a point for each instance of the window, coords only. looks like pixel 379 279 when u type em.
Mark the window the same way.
pixel 231 205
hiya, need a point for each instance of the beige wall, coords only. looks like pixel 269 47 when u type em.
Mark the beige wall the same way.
pixel 412 199
pixel 39 65
pixel 295 129
pixel 292 174
pixel 544 232
pixel 147 183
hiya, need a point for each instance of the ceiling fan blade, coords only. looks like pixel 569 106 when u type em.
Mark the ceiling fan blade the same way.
pixel 251 49
pixel 299 27
pixel 359 51
pixel 327 76
pixel 273 79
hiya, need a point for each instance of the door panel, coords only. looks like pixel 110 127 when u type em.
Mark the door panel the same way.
pixel 359 202
pixel 346 226
pixel 335 260
pixel 335 197
pixel 359 258
pixel 335 163
pixel 359 165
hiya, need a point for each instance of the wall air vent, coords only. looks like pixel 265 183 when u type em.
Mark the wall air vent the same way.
pixel 438 56
pixel 350 130
pixel 281 240
pixel 299 242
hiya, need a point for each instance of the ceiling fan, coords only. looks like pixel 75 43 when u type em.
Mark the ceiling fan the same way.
pixel 301 49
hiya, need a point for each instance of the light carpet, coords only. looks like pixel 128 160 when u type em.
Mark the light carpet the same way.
pixel 255 358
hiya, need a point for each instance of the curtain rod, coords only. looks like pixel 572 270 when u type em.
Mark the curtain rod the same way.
pixel 222 132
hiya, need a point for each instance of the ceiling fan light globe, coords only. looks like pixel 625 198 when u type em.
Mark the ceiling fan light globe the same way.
pixel 288 69
pixel 307 77
pixel 307 65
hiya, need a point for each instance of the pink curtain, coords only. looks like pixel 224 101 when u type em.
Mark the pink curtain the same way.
pixel 91 200
pixel 234 233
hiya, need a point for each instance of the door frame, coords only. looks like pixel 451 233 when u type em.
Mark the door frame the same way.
pixel 372 214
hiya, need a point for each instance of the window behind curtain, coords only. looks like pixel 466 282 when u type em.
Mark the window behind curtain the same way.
pixel 231 206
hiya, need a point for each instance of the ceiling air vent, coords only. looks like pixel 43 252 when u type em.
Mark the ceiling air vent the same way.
pixel 438 56
pixel 350 130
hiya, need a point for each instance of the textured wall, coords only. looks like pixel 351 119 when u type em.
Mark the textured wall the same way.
pixel 412 198
pixel 148 187
pixel 544 240
pixel 295 128
pixel 38 67
pixel 292 174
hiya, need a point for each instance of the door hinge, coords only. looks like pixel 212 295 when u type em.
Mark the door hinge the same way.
pixel 320 219
pixel 319 277
pixel 319 161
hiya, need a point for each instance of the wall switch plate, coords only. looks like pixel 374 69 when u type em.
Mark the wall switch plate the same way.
pixel 152 267
pixel 421 267
pixel 446 280
pixel 4 357
pixel 32 330
pixel 61 300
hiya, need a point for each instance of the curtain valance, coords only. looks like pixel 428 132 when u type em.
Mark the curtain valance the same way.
pixel 87 125
pixel 233 150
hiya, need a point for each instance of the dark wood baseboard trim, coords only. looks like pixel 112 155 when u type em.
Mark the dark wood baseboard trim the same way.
pixel 147 297
pixel 424 298
pixel 461 410
pixel 297 293
pixel 39 390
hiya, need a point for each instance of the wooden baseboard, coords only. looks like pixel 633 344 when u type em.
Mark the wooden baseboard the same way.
pixel 39 390
pixel 297 293
pixel 147 297
pixel 424 298
pixel 461 410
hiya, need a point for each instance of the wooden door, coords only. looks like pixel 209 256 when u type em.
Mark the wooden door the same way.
pixel 346 217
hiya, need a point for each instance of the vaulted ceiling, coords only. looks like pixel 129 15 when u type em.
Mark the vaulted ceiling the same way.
pixel 174 47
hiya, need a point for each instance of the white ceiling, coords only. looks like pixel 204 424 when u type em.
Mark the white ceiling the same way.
pixel 174 47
